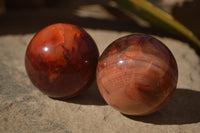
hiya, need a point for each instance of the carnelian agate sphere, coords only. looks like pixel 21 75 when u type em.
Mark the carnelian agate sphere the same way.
pixel 61 60
pixel 137 74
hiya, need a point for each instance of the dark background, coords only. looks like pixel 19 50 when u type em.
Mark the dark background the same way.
pixel 28 16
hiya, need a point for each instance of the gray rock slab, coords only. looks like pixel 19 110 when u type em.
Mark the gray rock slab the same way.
pixel 24 109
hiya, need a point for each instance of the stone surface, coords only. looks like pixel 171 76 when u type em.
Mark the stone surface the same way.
pixel 23 108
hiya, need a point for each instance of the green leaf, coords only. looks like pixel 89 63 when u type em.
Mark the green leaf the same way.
pixel 158 18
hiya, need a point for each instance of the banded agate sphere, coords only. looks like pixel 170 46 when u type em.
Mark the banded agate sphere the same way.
pixel 137 74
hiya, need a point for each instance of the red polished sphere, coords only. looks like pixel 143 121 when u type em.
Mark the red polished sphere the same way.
pixel 137 74
pixel 61 60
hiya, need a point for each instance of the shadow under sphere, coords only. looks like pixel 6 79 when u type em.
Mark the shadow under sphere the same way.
pixel 182 108
pixel 91 96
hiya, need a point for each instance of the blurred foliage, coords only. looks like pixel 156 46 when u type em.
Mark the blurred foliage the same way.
pixel 143 8
pixel 158 18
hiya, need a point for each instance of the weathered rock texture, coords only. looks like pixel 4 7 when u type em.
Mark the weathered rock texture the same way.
pixel 23 108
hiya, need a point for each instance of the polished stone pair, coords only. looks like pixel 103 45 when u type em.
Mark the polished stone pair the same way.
pixel 136 74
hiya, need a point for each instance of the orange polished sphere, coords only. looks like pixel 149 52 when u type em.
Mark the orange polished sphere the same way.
pixel 137 74
pixel 61 60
